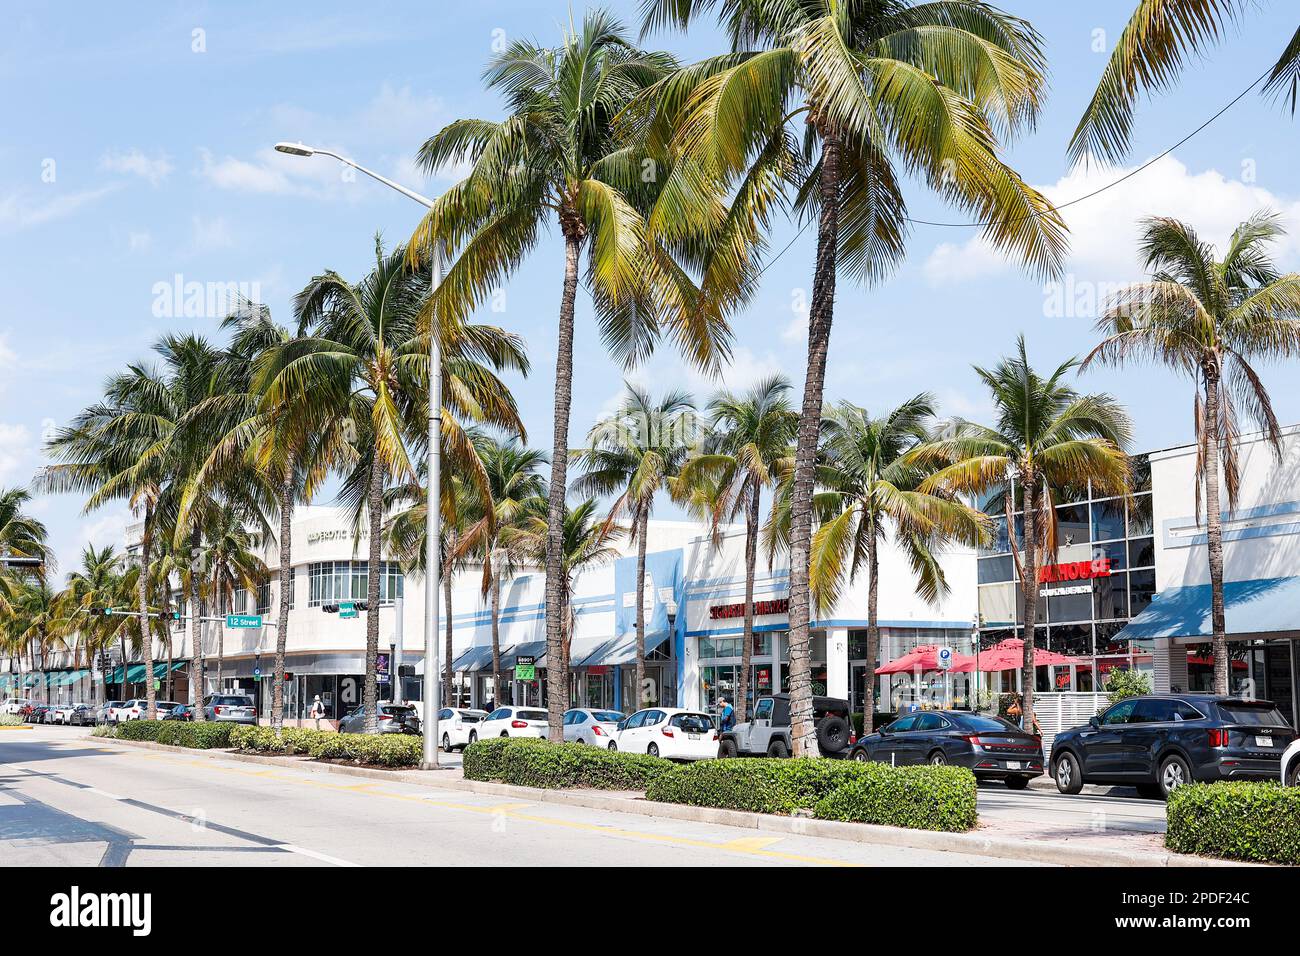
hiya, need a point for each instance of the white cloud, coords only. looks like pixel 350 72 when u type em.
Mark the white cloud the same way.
pixel 107 528
pixel 209 234
pixel 21 210
pixel 136 163
pixel 1104 228
pixel 243 176
pixel 15 453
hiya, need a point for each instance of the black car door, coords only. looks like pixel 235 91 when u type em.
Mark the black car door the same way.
pixel 891 738
pixel 1143 737
pixel 1102 745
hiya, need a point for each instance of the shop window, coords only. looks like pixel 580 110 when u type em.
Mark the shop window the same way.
pixel 334 581
pixel 1071 525
pixel 1072 640
pixel 1139 516
pixel 1140 472
pixel 1113 552
pixel 1142 553
pixel 1108 519
pixel 998 605
pixel 1105 638
pixel 1110 597
pixel 994 570
pixel 1065 608
pixel 1142 588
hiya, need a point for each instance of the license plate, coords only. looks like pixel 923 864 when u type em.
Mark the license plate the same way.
pixel 1263 741
pixel 692 736
pixel 1013 764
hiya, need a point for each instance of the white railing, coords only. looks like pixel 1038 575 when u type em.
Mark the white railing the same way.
pixel 1061 711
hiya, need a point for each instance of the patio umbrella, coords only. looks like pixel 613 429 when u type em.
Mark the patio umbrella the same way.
pixel 925 657
pixel 1009 655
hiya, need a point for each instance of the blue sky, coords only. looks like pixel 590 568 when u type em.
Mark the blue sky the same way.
pixel 137 150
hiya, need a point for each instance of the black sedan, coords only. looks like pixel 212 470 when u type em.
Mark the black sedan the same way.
pixel 179 712
pixel 991 747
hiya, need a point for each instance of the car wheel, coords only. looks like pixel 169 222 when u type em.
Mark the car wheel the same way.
pixel 1174 773
pixel 1294 779
pixel 612 745
pixel 937 759
pixel 505 733
pixel 1016 783
pixel 652 750
pixel 473 736
pixel 1069 778
pixel 581 742
pixel 861 756
pixel 446 743
pixel 778 750
pixel 727 748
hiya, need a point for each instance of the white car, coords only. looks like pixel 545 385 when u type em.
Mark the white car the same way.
pixel 455 724
pixel 511 722
pixel 76 713
pixel 668 732
pixel 1291 764
pixel 137 708
pixel 13 705
pixel 584 725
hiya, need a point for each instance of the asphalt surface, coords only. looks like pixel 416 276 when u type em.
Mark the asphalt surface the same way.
pixel 67 798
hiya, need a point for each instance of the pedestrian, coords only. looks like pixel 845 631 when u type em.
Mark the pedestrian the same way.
pixel 1017 714
pixel 317 710
pixel 726 714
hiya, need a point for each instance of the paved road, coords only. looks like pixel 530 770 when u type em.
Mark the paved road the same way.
pixel 70 799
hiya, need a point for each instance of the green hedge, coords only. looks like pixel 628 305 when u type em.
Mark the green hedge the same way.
pixel 529 762
pixel 926 798
pixel 199 735
pixel 1238 820
pixel 385 750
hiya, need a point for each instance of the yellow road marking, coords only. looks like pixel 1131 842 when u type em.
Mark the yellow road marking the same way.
pixel 745 846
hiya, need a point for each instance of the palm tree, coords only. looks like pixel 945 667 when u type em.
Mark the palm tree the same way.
pixel 871 491
pixel 1048 438
pixel 231 560
pixel 20 535
pixel 1157 40
pixel 1210 318
pixel 37 623
pixel 564 155
pixel 747 449
pixel 934 87
pixel 90 588
pixel 635 454
pixel 361 357
pixel 588 541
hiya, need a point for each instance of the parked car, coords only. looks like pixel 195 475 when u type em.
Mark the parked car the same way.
pixel 13 705
pixel 767 732
pixel 511 721
pixel 1160 742
pixel 138 708
pixel 230 708
pixel 393 719
pixel 455 725
pixel 991 747
pixel 667 732
pixel 1291 765
pixel 107 712
pixel 39 713
pixel 69 714
pixel 179 712
pixel 585 726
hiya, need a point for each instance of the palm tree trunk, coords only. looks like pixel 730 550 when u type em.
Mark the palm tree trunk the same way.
pixel 1029 591
pixel 375 501
pixel 820 313
pixel 1214 533
pixel 496 635
pixel 638 684
pixel 450 690
pixel 873 632
pixel 747 647
pixel 146 637
pixel 217 602
pixel 559 484
pixel 196 637
pixel 285 574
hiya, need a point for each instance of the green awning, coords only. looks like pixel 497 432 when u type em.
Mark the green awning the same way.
pixel 71 677
pixel 135 672
pixel 160 669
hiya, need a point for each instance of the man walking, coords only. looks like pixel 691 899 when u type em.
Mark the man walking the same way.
pixel 317 710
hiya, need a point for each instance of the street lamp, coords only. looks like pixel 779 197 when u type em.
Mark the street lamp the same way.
pixel 432 694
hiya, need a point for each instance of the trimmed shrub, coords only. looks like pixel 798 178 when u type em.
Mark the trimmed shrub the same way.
pixel 385 750
pixel 1238 820
pixel 931 798
pixel 529 762
pixel 11 720
pixel 138 730
pixel 200 735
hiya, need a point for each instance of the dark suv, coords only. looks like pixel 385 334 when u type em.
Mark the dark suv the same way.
pixel 1160 742
pixel 767 732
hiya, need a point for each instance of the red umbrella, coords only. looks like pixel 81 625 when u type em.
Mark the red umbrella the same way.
pixel 1010 654
pixel 925 657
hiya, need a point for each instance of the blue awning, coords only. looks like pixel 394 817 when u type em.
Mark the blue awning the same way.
pixel 619 650
pixel 533 649
pixel 476 658
pixel 1259 606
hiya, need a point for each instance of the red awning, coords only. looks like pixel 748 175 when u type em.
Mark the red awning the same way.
pixel 925 658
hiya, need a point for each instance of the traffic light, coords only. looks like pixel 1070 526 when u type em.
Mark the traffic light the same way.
pixel 101 611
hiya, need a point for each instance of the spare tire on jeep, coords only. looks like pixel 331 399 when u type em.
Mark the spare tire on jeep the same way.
pixel 833 734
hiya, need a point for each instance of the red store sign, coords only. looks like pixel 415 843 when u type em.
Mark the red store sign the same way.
pixel 1074 571
pixel 775 606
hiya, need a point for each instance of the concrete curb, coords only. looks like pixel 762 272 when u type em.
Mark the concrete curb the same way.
pixel 1005 848
pixel 15 726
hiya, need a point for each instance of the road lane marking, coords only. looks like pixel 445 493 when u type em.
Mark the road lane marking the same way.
pixel 103 793
pixel 323 857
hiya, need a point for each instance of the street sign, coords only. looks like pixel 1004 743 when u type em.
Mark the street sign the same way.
pixel 347 609
pixel 243 620
pixel 381 668
pixel 525 667
pixel 257 673
pixel 945 658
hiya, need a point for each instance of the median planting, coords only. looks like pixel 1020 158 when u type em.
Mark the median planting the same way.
pixel 1236 820
pixel 529 762
pixel 200 735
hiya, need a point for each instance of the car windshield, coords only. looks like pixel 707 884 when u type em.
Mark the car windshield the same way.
pixel 1253 715
pixel 693 723
pixel 399 710
pixel 233 701
pixel 531 715
pixel 606 716
pixel 983 724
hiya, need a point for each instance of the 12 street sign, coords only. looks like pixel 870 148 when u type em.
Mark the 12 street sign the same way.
pixel 347 609
pixel 243 620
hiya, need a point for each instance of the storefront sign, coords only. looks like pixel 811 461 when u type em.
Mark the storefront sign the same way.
pixel 775 606
pixel 1074 571
pixel 334 534
pixel 525 668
